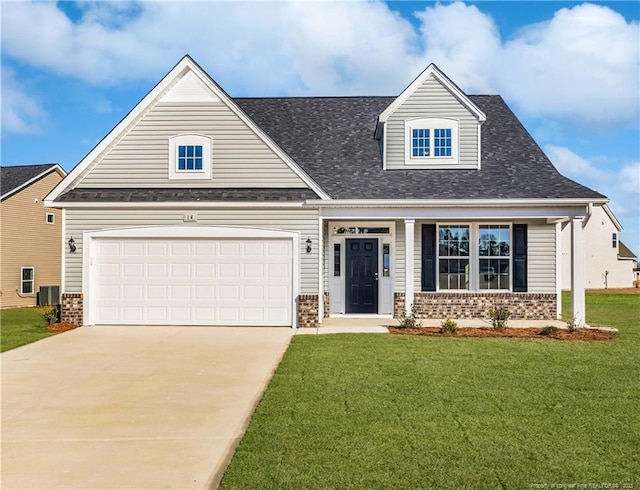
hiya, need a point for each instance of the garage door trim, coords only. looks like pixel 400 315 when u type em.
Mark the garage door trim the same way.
pixel 182 232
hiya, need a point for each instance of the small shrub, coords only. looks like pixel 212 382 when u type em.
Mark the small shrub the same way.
pixel 410 321
pixel 449 326
pixel 549 330
pixel 573 324
pixel 50 316
pixel 499 317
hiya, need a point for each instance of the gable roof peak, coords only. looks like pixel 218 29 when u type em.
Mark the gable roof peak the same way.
pixel 204 85
pixel 14 178
pixel 432 70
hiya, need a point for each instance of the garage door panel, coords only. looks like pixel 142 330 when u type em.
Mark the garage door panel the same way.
pixel 180 248
pixel 194 281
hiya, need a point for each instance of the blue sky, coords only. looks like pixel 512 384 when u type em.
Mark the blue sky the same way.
pixel 569 70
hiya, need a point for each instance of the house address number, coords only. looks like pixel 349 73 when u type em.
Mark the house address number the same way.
pixel 189 218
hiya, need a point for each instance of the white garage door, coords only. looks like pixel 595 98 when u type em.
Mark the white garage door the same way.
pixel 155 281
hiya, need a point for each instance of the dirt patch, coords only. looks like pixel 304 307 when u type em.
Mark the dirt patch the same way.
pixel 614 291
pixel 584 334
pixel 61 327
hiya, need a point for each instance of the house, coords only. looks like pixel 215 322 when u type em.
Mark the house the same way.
pixel 201 209
pixel 609 263
pixel 31 235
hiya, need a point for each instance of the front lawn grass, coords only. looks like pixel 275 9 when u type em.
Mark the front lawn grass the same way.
pixel 20 326
pixel 383 411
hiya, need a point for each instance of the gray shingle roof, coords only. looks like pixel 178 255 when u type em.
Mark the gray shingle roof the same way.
pixel 625 252
pixel 331 138
pixel 11 178
pixel 183 195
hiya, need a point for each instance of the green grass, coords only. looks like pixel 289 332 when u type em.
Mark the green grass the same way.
pixel 382 411
pixel 20 326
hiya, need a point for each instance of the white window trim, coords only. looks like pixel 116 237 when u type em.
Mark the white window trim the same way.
pixel 474 257
pixel 32 281
pixel 432 123
pixel 190 139
pixel 53 219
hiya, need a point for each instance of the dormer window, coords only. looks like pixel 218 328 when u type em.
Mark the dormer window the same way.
pixel 190 157
pixel 431 141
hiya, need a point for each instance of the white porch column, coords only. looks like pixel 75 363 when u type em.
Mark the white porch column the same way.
pixel 409 225
pixel 559 277
pixel 321 311
pixel 578 305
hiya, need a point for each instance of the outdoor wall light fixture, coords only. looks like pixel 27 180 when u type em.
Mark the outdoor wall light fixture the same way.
pixel 72 245
pixel 308 242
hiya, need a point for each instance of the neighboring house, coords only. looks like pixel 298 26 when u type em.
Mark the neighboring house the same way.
pixel 201 209
pixel 30 234
pixel 608 261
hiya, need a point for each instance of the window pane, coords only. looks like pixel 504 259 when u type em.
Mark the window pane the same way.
pixel 420 142
pixel 198 151
pixel 27 274
pixel 442 142
pixel 336 260
pixel 494 241
pixel 453 249
pixel 494 274
pixel 182 150
pixel 198 163
pixel 386 259
pixel 454 273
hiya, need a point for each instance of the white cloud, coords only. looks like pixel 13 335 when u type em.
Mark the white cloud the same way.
pixel 21 112
pixel 581 65
pixel 621 185
pixel 463 42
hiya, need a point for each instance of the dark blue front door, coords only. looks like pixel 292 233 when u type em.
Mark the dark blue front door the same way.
pixel 362 275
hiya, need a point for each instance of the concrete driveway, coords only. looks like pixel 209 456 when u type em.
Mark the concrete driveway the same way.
pixel 132 407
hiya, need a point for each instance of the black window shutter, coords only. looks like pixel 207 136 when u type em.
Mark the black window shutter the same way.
pixel 520 258
pixel 428 257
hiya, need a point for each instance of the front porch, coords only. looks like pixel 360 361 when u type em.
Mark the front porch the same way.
pixel 444 265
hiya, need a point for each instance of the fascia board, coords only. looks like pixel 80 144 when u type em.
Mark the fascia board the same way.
pixel 612 217
pixel 433 70
pixel 56 168
pixel 466 203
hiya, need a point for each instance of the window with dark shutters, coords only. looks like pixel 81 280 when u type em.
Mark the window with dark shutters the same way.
pixel 519 258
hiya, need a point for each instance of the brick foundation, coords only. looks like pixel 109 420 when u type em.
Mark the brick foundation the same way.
pixel 522 306
pixel 72 305
pixel 308 311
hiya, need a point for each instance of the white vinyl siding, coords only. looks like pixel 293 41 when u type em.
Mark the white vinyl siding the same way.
pixel 303 221
pixel 431 100
pixel 239 157
pixel 541 259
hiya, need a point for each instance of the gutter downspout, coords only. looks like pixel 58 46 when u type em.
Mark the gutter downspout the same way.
pixel 587 216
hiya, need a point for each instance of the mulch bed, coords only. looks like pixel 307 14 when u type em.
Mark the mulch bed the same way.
pixel 614 291
pixel 584 334
pixel 61 327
